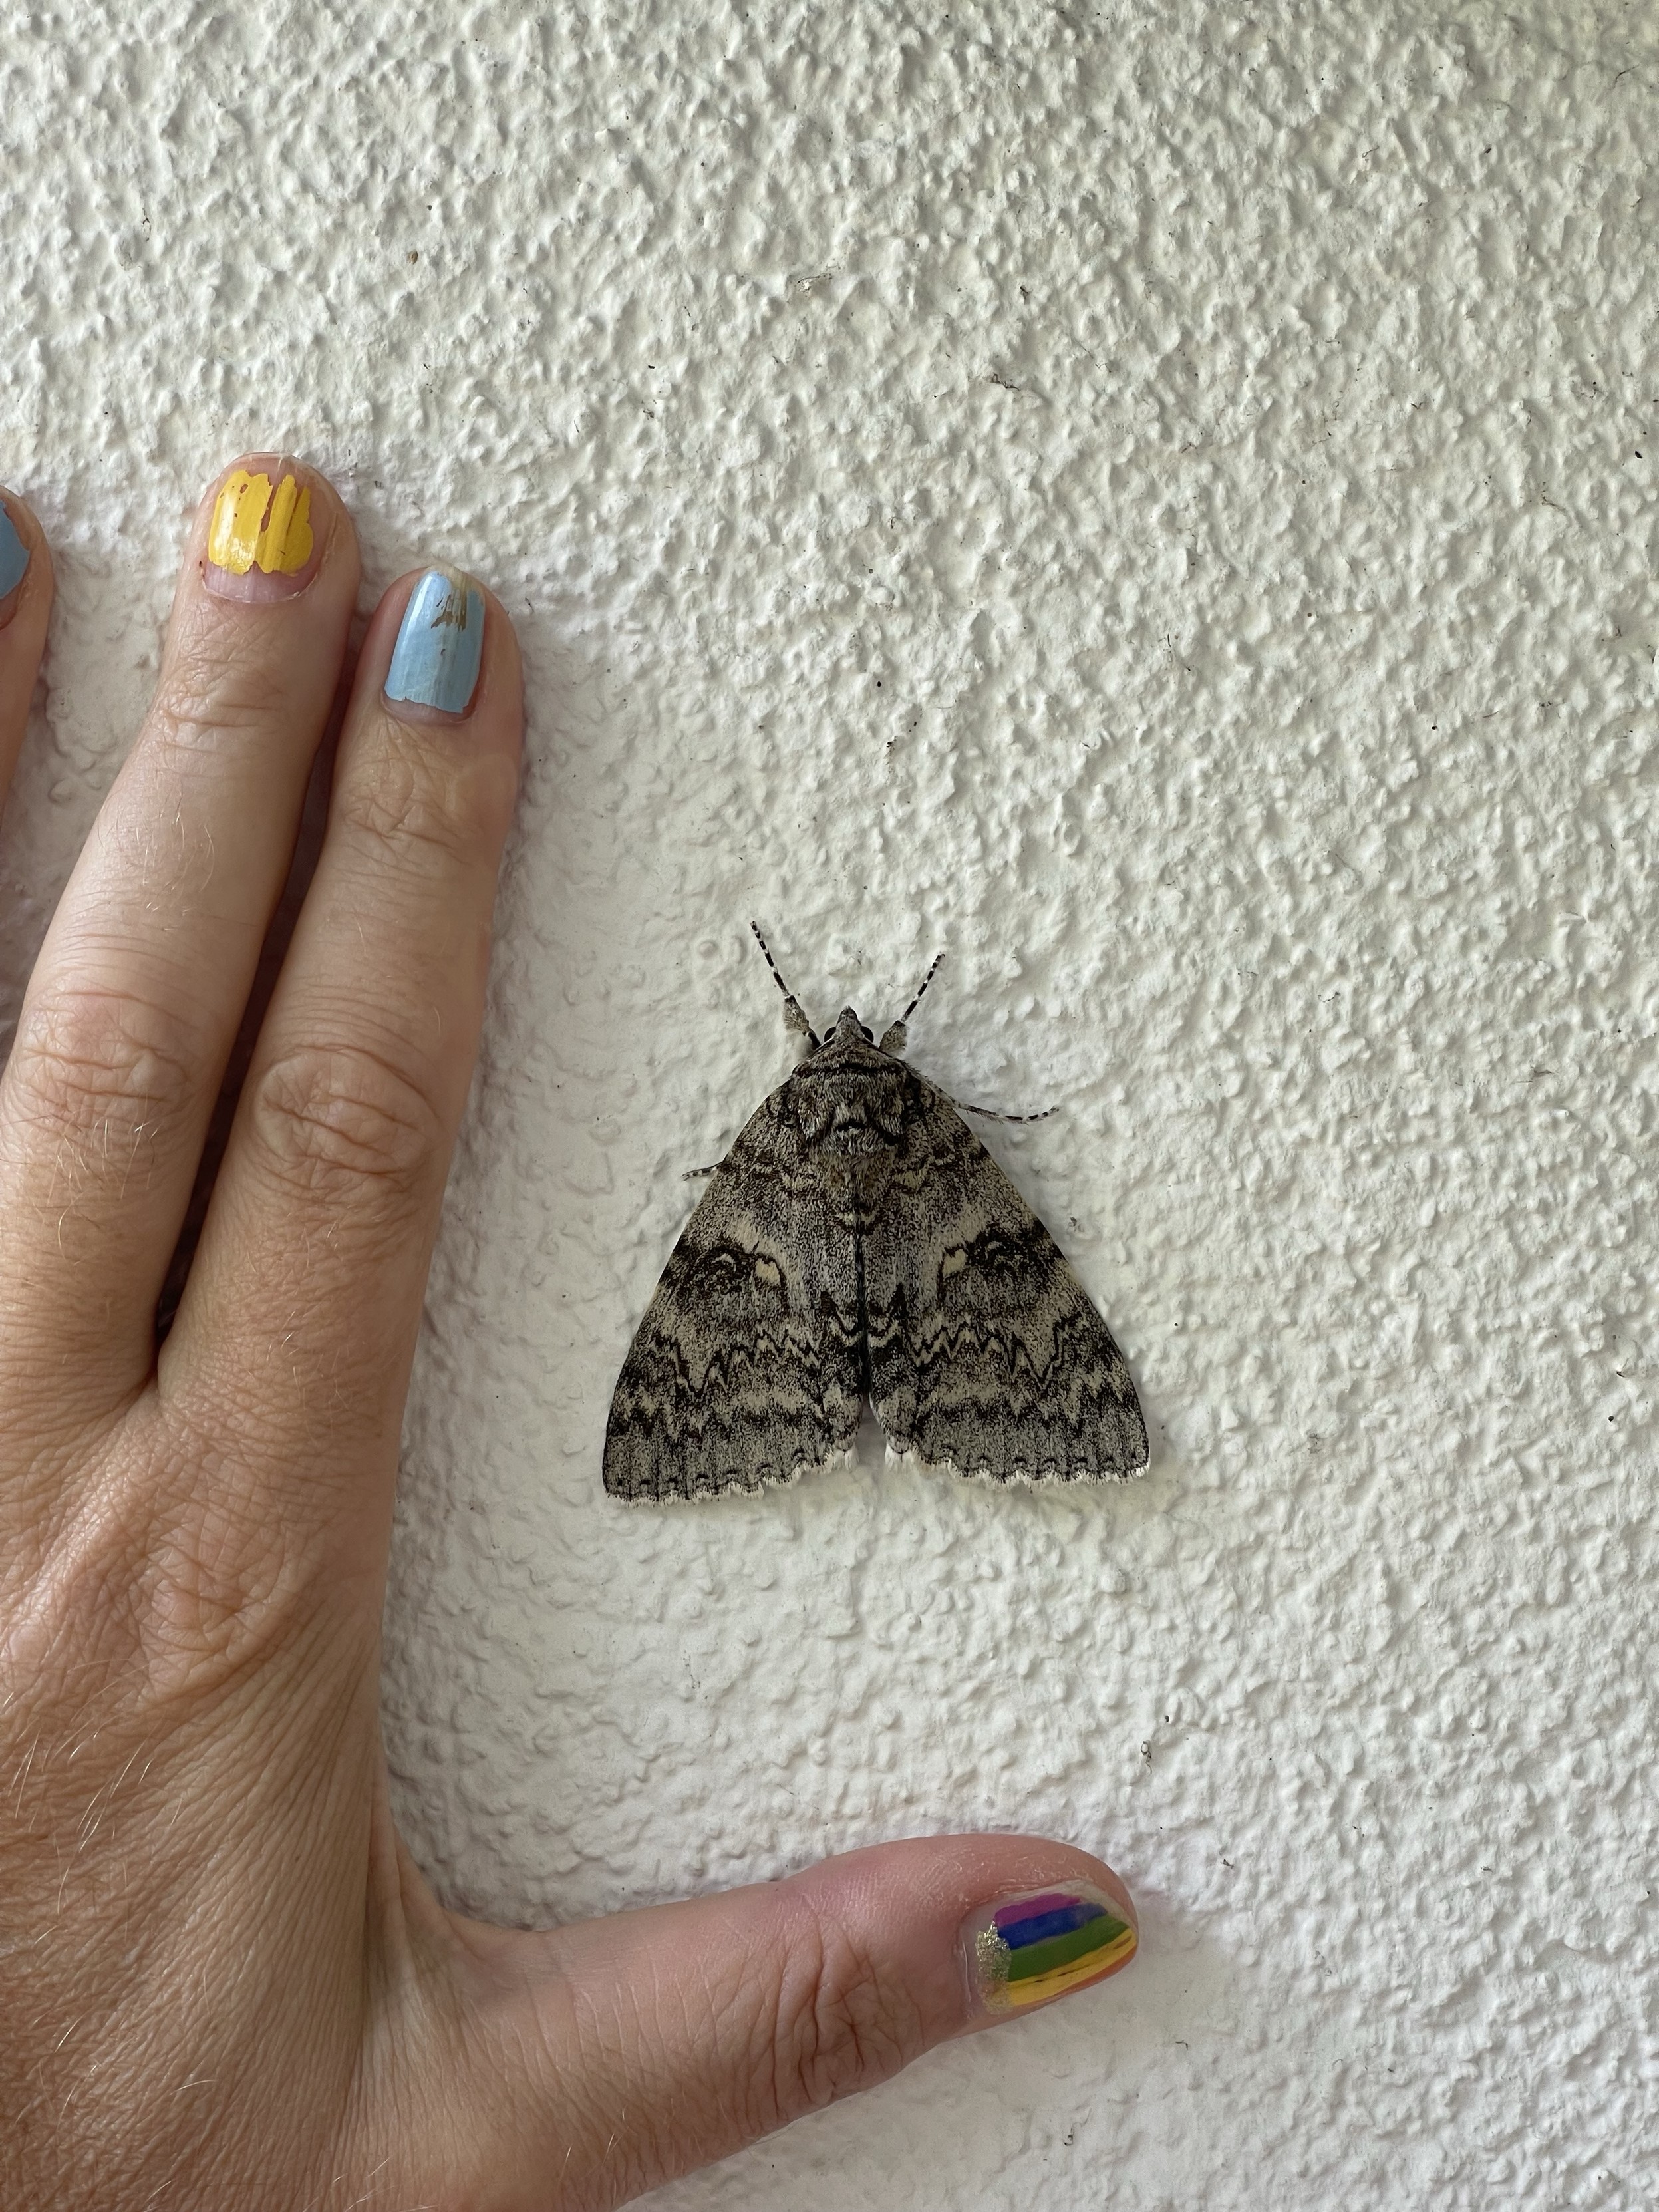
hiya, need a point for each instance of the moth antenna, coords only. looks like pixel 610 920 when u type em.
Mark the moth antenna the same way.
pixel 990 1114
pixel 793 1017
pixel 920 988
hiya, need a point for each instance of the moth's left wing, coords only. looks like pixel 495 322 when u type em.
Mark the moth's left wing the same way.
pixel 746 1366
pixel 986 1355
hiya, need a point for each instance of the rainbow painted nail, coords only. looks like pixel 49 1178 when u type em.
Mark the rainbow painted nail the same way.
pixel 1028 1949
pixel 260 539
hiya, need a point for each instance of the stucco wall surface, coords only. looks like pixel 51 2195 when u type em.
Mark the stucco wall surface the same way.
pixel 1158 500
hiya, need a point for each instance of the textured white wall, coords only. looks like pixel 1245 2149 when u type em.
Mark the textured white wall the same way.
pixel 1158 500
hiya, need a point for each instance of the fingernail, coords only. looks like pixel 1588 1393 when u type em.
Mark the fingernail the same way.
pixel 436 661
pixel 1043 1944
pixel 260 542
pixel 14 555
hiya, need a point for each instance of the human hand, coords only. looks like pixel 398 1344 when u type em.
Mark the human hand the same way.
pixel 222 1982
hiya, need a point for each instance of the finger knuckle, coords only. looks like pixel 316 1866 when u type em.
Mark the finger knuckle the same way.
pixel 343 1121
pixel 108 1071
pixel 172 1575
pixel 840 2023
pixel 213 687
pixel 225 1586
pixel 424 802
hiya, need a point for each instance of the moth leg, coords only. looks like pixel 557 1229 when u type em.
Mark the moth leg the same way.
pixel 696 1174
pixel 990 1114
pixel 793 1017
pixel 897 1034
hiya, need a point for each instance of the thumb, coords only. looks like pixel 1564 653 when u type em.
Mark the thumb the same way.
pixel 602 2059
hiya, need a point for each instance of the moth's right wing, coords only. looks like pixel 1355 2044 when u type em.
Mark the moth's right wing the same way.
pixel 986 1354
pixel 745 1368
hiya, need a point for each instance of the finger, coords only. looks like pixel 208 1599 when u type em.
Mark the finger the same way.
pixel 614 2054
pixel 25 590
pixel 298 1322
pixel 135 998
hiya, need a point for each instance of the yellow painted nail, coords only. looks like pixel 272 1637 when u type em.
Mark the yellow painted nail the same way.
pixel 260 527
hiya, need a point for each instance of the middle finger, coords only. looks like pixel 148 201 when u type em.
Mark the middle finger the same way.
pixel 134 1005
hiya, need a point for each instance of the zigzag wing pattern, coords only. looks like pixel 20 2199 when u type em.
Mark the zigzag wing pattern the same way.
pixel 986 1355
pixel 745 1368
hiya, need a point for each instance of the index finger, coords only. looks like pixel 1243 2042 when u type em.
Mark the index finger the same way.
pixel 298 1322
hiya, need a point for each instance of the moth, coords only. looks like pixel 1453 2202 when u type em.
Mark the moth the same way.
pixel 859 1244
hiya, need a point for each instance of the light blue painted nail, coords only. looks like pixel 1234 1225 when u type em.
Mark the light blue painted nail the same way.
pixel 13 554
pixel 436 661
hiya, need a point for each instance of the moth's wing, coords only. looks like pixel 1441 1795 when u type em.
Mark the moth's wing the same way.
pixel 745 1368
pixel 986 1355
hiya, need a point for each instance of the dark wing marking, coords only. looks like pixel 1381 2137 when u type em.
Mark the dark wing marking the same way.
pixel 745 1368
pixel 985 1353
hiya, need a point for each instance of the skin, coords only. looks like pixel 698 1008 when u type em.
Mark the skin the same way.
pixel 222 1980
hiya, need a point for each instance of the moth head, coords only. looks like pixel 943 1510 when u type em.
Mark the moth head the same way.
pixel 848 1029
